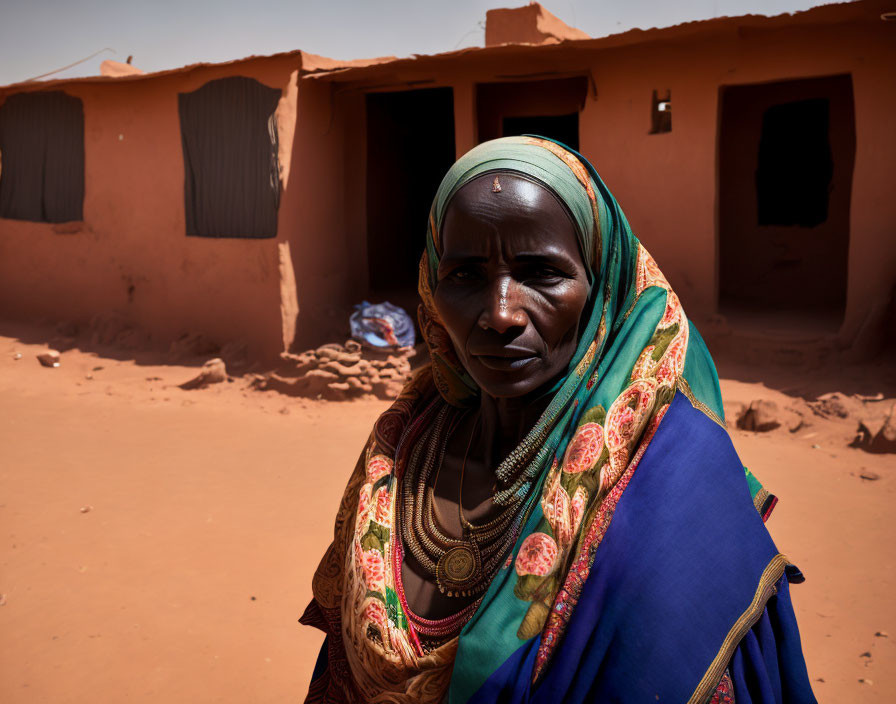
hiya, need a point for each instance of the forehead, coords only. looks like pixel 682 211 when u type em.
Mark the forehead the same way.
pixel 517 214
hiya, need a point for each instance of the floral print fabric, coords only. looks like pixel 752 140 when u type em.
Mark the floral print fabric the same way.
pixel 631 357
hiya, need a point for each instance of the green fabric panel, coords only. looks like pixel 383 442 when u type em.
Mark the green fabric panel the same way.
pixel 700 373
pixel 753 482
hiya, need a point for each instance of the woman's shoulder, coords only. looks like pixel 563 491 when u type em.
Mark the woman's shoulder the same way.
pixel 690 499
pixel 692 455
pixel 686 566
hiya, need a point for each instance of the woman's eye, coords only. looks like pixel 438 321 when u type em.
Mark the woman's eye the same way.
pixel 464 273
pixel 547 274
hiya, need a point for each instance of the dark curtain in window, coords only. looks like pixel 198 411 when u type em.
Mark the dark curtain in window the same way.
pixel 42 152
pixel 231 168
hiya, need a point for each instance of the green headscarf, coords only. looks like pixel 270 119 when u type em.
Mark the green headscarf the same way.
pixel 636 348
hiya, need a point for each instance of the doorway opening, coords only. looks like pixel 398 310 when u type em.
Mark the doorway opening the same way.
pixel 786 154
pixel 410 146
pixel 549 108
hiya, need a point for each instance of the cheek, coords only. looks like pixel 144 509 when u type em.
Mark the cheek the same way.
pixel 453 313
pixel 561 319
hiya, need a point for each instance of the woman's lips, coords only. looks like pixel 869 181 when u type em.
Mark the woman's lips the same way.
pixel 505 362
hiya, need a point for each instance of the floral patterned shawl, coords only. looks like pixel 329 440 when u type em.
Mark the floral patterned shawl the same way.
pixel 636 349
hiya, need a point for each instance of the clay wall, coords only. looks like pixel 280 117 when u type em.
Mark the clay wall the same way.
pixel 667 183
pixel 323 237
pixel 130 255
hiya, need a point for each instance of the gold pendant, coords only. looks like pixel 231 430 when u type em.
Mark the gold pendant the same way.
pixel 457 568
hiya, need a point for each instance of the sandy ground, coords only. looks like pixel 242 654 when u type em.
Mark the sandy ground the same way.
pixel 158 544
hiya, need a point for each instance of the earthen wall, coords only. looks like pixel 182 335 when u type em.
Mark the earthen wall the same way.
pixel 667 183
pixel 130 255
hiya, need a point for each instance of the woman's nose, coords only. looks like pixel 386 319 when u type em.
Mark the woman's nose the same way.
pixel 502 309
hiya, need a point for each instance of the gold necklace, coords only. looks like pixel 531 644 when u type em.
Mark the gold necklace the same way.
pixel 462 566
pixel 459 565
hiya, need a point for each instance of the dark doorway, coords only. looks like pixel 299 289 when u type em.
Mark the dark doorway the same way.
pixel 410 146
pixel 563 128
pixel 549 108
pixel 793 178
pixel 786 153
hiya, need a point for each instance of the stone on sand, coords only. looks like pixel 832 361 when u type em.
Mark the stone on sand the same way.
pixel 760 417
pixel 763 415
pixel 885 441
pixel 50 358
pixel 213 371
pixel 877 434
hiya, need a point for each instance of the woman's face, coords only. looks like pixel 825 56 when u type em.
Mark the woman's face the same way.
pixel 511 283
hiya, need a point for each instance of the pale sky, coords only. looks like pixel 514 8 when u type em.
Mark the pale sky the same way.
pixel 38 36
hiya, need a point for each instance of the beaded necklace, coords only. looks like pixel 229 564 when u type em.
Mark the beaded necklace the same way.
pixel 460 567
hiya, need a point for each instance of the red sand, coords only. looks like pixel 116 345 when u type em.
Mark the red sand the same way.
pixel 209 509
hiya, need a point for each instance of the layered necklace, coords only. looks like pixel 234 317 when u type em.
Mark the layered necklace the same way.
pixel 464 566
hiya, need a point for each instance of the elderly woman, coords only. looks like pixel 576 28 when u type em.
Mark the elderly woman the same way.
pixel 552 510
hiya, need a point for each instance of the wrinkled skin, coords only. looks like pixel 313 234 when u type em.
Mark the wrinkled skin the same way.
pixel 511 290
pixel 511 285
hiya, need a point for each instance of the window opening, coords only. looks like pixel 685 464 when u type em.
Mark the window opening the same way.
pixel 231 163
pixel 42 146
pixel 661 113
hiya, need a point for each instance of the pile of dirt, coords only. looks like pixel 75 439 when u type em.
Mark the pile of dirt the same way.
pixel 872 419
pixel 340 372
pixel 763 415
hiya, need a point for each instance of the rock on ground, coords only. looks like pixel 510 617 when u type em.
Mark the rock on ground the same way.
pixel 877 434
pixel 50 358
pixel 213 372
